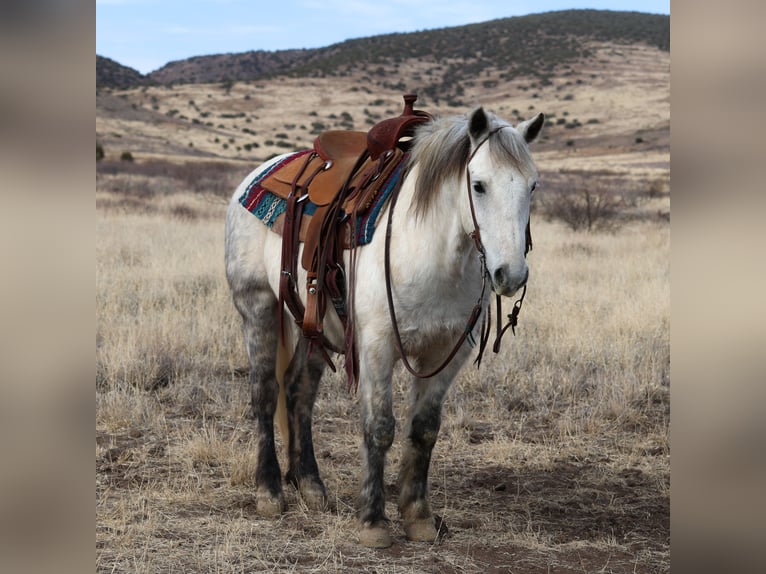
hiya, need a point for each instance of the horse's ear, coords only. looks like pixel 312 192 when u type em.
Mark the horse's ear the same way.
pixel 530 128
pixel 478 123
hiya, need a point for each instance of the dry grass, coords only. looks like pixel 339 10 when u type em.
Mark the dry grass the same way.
pixel 553 457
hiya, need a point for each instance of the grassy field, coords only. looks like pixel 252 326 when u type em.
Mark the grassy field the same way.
pixel 553 457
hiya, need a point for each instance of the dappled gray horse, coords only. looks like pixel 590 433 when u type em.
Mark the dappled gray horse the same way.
pixel 461 218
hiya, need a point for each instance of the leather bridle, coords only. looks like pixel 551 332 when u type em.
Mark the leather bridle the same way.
pixel 476 311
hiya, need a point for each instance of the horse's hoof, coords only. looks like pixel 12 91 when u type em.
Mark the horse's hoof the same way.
pixel 421 530
pixel 268 505
pixel 375 536
pixel 313 495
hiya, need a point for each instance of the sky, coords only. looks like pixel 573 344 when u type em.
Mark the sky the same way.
pixel 147 34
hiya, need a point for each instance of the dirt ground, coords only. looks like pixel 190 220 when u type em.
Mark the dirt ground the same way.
pixel 511 500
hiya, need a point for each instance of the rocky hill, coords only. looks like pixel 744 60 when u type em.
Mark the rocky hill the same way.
pixel 111 74
pixel 539 45
pixel 602 79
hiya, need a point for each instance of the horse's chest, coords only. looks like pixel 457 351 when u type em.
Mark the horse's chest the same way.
pixel 435 315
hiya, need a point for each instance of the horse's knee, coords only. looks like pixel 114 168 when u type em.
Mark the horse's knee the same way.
pixel 264 389
pixel 379 432
pixel 424 429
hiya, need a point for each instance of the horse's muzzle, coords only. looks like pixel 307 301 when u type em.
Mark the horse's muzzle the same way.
pixel 506 283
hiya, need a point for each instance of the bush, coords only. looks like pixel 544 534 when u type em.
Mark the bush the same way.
pixel 587 208
pixel 148 177
pixel 600 200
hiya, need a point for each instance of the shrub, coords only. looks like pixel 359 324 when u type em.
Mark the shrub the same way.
pixel 156 174
pixel 588 201
pixel 587 208
pixel 317 127
pixel 656 188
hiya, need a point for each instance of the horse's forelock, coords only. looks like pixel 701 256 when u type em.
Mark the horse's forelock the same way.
pixel 441 149
pixel 509 146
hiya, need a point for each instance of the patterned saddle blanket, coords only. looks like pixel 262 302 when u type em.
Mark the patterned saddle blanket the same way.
pixel 270 207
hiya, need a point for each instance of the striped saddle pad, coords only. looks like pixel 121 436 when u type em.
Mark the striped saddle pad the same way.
pixel 270 208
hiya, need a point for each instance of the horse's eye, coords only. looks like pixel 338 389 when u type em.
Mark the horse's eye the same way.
pixel 478 187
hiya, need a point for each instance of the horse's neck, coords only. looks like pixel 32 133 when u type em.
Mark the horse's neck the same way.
pixel 436 243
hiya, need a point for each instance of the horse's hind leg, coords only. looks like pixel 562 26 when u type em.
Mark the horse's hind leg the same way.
pixel 427 396
pixel 301 384
pixel 258 308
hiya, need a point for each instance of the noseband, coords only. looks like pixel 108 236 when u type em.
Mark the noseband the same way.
pixel 476 311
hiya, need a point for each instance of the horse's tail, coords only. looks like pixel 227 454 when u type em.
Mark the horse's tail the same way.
pixel 283 361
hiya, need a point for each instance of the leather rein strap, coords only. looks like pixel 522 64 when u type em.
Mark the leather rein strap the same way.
pixel 477 308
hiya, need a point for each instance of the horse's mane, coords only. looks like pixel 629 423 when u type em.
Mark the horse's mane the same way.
pixel 441 149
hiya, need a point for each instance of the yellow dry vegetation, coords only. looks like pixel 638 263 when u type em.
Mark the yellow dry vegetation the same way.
pixel 553 456
pixel 557 448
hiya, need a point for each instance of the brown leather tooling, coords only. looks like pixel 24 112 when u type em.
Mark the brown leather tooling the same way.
pixel 341 176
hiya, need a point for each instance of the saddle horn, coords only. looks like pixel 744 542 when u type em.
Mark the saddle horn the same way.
pixel 385 135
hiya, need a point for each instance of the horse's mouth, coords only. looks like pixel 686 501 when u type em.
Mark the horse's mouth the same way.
pixel 505 291
pixel 506 286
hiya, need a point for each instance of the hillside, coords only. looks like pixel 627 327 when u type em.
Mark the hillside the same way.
pixel 607 108
pixel 111 74
pixel 538 44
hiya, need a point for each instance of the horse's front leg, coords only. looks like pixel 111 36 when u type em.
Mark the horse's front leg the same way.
pixel 378 426
pixel 424 421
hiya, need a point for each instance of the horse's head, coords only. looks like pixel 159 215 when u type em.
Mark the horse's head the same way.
pixel 502 178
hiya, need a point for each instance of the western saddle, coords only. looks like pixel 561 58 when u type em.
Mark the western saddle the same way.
pixel 341 177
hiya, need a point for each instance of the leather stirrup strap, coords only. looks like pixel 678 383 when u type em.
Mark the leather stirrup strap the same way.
pixel 290 240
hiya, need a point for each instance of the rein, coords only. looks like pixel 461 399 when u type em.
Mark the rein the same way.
pixel 477 308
